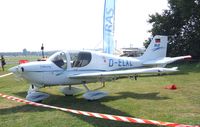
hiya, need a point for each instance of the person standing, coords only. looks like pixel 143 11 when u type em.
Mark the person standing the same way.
pixel 3 62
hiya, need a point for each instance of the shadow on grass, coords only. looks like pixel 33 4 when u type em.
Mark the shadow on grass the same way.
pixel 147 96
pixel 77 103
pixel 23 108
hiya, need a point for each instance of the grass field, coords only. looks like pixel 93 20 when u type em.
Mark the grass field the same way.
pixel 144 98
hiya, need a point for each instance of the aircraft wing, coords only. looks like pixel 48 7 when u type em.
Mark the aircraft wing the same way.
pixel 165 60
pixel 119 73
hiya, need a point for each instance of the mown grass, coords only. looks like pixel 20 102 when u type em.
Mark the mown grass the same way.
pixel 144 98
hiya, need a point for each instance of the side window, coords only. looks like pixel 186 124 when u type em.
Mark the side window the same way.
pixel 60 60
pixel 81 59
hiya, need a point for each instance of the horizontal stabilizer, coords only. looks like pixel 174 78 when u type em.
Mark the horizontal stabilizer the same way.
pixel 166 60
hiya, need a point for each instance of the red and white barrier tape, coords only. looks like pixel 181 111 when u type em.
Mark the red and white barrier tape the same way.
pixel 98 115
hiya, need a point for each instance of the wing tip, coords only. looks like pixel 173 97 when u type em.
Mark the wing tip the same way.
pixel 188 57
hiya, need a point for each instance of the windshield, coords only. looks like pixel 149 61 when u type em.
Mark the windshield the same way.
pixel 59 59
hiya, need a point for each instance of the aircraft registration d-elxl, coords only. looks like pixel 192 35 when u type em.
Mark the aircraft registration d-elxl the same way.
pixel 69 68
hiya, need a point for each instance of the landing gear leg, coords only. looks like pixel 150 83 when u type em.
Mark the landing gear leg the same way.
pixel 32 88
pixel 93 95
pixel 87 89
pixel 103 83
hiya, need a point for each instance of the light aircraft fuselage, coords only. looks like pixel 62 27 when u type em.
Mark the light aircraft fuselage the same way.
pixel 58 69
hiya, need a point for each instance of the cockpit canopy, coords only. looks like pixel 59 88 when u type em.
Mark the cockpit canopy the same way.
pixel 77 59
pixel 80 59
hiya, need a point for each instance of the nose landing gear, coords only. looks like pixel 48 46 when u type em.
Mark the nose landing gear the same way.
pixel 34 95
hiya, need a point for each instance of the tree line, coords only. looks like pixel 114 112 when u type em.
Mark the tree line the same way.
pixel 181 23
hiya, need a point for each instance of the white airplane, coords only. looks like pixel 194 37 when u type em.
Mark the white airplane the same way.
pixel 81 67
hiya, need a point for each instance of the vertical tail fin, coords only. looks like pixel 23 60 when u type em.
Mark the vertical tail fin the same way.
pixel 156 49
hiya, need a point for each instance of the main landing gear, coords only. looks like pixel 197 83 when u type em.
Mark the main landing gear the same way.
pixel 35 96
pixel 93 95
pixel 89 95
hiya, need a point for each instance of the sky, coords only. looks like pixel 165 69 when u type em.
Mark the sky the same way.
pixel 72 24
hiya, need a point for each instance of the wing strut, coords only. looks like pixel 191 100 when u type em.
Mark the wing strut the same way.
pixel 87 89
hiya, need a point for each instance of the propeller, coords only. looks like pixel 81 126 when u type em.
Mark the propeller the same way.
pixel 17 71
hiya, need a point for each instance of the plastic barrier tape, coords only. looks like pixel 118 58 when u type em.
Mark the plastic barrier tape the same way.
pixel 98 115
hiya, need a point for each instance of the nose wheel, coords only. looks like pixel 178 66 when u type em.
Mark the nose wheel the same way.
pixel 69 90
pixel 34 95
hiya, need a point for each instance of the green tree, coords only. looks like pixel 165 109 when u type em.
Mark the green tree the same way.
pixel 147 42
pixel 181 22
pixel 25 52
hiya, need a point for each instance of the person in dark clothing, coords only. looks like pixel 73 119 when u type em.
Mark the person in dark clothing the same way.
pixel 3 62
